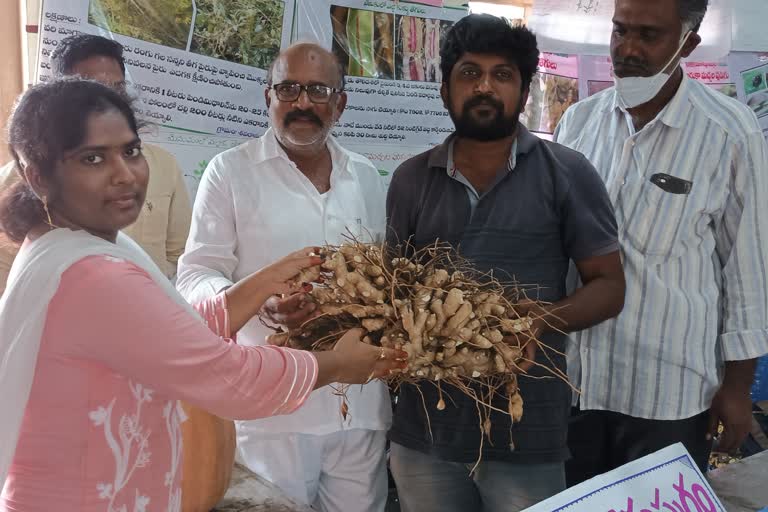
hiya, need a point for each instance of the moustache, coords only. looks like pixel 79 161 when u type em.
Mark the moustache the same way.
pixel 631 64
pixel 483 100
pixel 298 115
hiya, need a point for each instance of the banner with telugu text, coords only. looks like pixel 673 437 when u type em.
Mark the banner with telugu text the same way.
pixel 197 67
pixel 596 74
pixel 554 88
pixel 391 55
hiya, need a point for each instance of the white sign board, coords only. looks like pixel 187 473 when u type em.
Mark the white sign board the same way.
pixel 666 481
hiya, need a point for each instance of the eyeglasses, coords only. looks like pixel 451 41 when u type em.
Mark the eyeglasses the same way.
pixel 317 93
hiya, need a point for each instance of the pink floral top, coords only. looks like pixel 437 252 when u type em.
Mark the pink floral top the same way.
pixel 101 431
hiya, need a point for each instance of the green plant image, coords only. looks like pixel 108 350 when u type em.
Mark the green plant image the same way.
pixel 244 31
pixel 198 173
pixel 754 80
pixel 165 22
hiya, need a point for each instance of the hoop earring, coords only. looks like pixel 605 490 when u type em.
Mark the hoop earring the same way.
pixel 48 213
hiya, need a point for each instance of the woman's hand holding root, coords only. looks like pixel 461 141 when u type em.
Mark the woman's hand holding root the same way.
pixel 354 362
pixel 366 361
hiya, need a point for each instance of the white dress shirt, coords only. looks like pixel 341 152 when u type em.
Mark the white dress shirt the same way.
pixel 253 207
pixel 695 262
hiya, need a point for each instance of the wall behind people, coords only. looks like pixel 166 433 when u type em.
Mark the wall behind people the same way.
pixel 10 56
pixel 204 93
pixel 200 78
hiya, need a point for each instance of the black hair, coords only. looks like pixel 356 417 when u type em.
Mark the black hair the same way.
pixel 74 49
pixel 487 34
pixel 692 13
pixel 49 120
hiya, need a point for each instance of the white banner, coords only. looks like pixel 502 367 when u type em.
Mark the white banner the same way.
pixel 198 71
pixel 596 74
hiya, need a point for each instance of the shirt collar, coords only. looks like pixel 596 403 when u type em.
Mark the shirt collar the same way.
pixel 524 143
pixel 673 113
pixel 451 169
pixel 272 149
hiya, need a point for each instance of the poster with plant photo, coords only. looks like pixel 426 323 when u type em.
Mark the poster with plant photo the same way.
pixel 554 88
pixel 248 32
pixel 750 70
pixel 196 67
pixel 390 53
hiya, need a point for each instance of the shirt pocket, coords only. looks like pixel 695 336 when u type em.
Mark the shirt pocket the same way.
pixel 661 223
pixel 346 217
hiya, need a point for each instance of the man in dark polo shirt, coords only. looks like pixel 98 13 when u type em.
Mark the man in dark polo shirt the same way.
pixel 524 208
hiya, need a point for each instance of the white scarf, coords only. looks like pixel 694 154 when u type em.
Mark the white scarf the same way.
pixel 32 283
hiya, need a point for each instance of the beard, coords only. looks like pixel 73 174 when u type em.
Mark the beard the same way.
pixel 487 128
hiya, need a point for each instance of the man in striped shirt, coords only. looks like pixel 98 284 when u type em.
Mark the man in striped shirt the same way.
pixel 687 171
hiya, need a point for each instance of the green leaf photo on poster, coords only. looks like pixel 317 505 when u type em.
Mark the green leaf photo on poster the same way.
pixel 243 31
pixel 164 22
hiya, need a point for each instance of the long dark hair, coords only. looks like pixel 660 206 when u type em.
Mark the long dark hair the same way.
pixel 49 120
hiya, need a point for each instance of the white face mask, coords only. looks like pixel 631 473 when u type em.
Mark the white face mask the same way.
pixel 634 91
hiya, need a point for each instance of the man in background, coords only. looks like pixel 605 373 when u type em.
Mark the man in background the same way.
pixel 686 169
pixel 163 224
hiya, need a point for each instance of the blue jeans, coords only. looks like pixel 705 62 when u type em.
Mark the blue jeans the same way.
pixel 428 484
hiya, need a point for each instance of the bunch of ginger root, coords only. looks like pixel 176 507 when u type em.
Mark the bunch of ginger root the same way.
pixel 458 327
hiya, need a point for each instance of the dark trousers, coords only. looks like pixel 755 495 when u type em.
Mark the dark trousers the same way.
pixel 603 440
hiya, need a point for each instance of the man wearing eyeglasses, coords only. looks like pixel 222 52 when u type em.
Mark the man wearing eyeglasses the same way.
pixel 291 188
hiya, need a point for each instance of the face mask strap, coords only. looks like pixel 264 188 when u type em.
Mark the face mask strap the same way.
pixel 677 53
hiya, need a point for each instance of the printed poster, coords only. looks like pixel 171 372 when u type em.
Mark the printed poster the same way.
pixel 197 67
pixel 554 88
pixel 390 52
pixel 751 72
pixel 716 75
pixel 596 74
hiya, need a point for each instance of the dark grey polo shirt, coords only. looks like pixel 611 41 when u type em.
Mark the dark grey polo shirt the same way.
pixel 546 210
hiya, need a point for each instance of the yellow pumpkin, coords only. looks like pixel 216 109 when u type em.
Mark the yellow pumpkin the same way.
pixel 209 455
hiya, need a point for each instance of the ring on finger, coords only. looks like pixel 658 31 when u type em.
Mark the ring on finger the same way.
pixel 382 354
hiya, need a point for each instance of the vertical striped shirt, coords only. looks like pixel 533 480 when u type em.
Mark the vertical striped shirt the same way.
pixel 689 190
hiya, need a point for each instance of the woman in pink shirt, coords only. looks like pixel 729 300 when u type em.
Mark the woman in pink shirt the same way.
pixel 96 347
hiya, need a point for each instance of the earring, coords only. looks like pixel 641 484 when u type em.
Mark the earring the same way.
pixel 47 212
